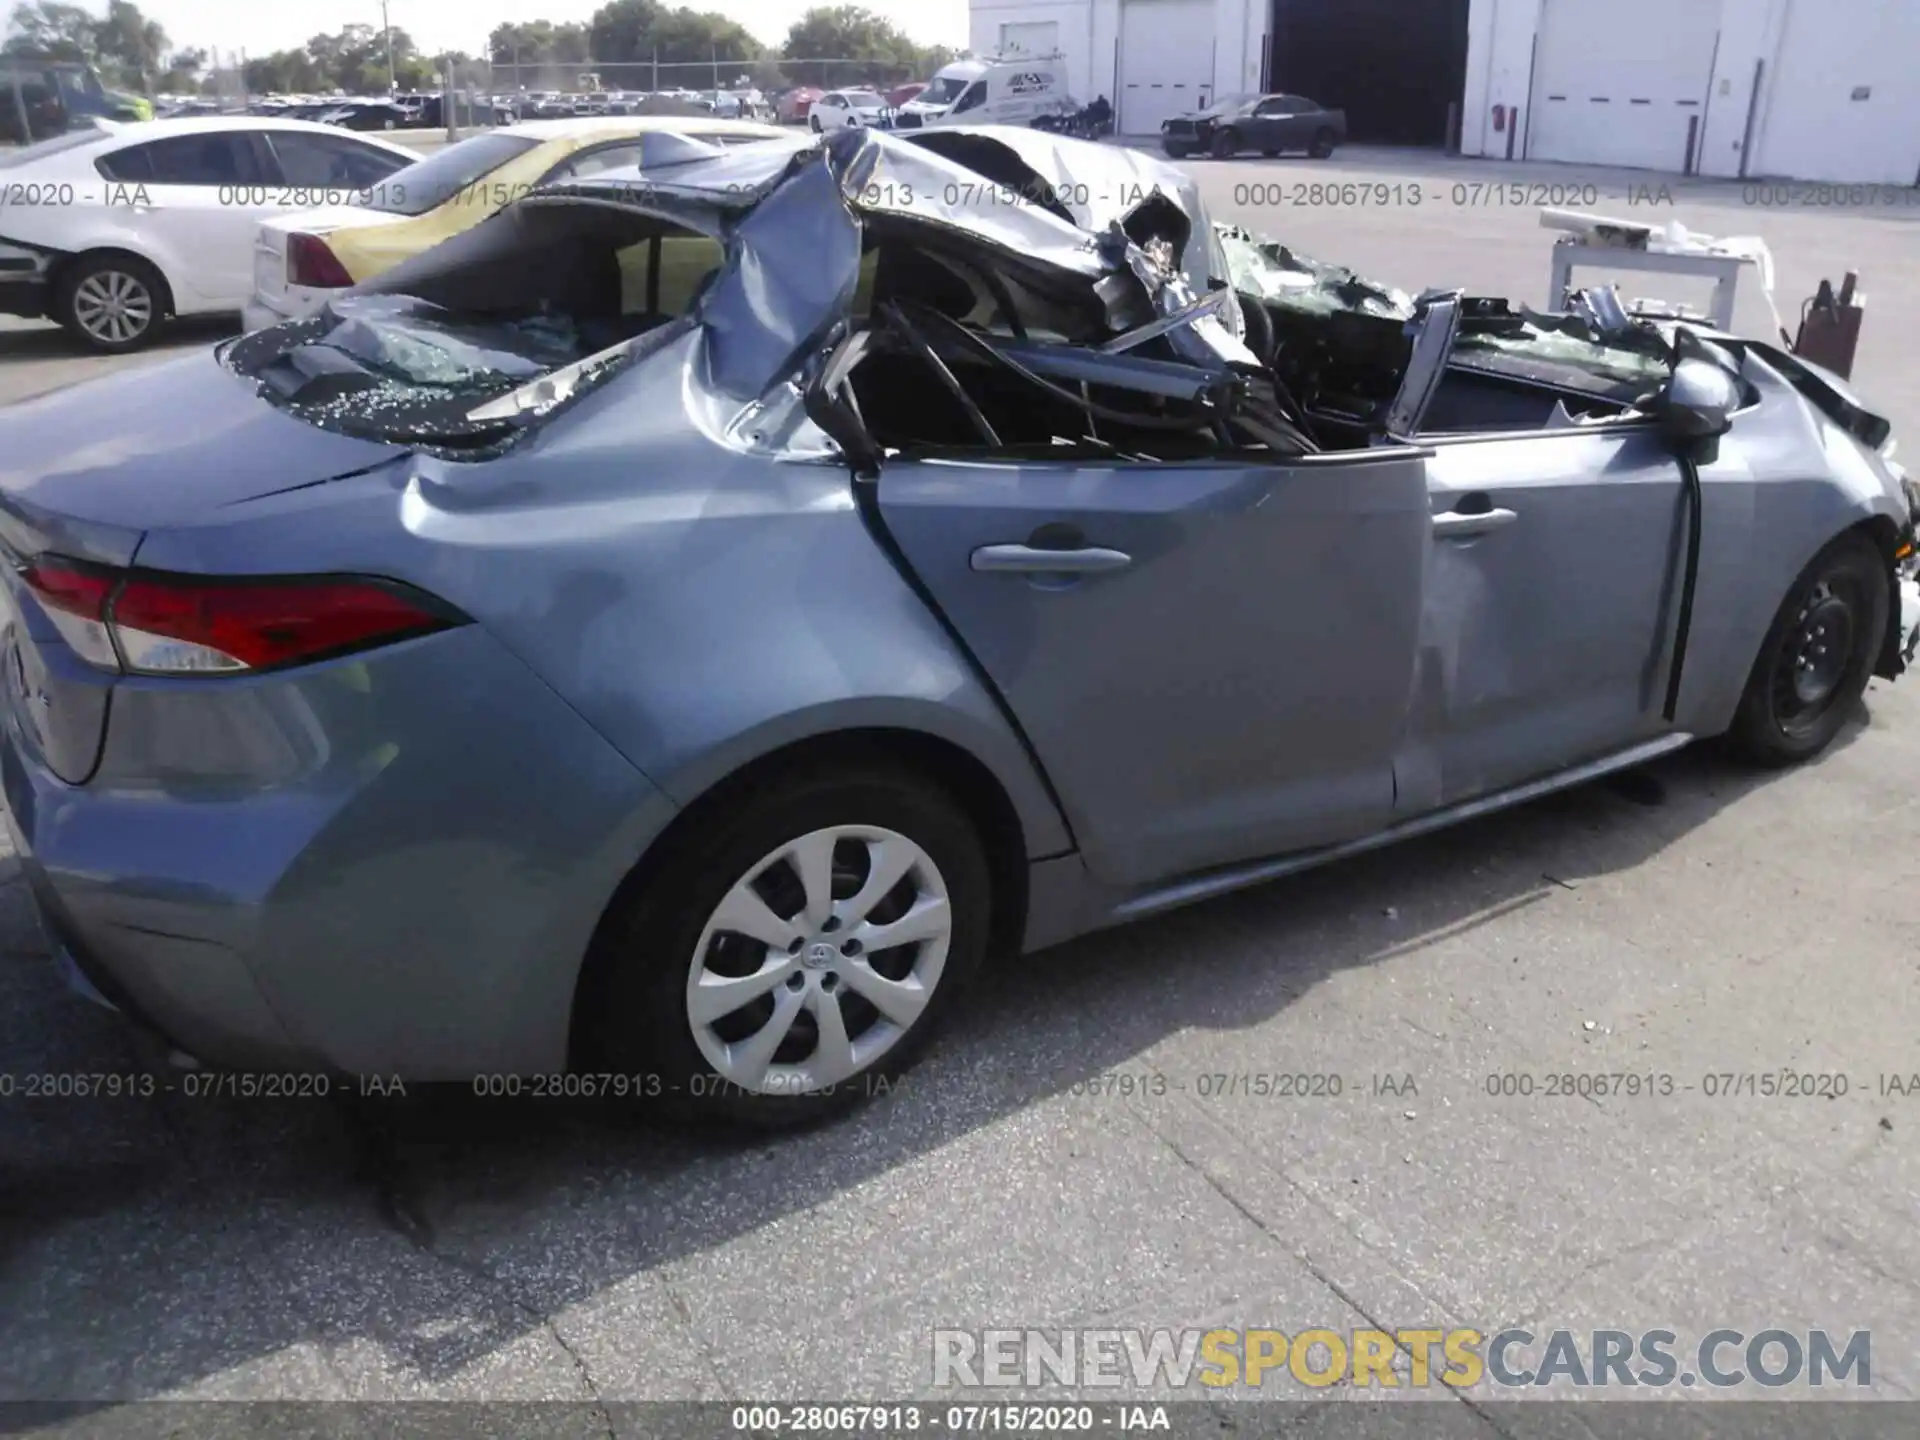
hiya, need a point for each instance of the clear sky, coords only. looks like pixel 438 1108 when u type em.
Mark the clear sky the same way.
pixel 262 26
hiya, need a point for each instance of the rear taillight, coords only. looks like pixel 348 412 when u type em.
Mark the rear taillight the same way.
pixel 151 624
pixel 310 262
pixel 75 599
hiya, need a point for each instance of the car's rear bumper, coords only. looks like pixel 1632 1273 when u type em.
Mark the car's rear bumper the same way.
pixel 322 871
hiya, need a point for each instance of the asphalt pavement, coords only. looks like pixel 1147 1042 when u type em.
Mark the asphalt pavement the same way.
pixel 1092 1145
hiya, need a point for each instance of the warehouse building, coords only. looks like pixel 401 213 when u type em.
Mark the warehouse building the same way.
pixel 1809 89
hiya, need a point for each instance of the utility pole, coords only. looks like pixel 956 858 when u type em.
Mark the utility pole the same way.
pixel 392 79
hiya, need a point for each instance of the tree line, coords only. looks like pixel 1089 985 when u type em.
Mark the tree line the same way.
pixel 133 52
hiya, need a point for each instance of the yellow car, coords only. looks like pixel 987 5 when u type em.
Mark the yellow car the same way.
pixel 301 260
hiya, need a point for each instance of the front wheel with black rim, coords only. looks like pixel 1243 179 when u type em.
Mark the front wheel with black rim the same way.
pixel 798 951
pixel 111 303
pixel 1226 145
pixel 1819 653
pixel 1322 145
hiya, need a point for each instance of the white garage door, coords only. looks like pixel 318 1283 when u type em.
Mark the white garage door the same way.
pixel 1844 104
pixel 1166 61
pixel 1035 37
pixel 1617 82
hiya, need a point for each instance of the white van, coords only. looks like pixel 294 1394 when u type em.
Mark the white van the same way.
pixel 1013 91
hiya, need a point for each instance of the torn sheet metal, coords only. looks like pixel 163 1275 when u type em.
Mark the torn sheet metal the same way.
pixel 733 179
pixel 799 258
pixel 1096 186
pixel 793 218
pixel 881 176
pixel 795 260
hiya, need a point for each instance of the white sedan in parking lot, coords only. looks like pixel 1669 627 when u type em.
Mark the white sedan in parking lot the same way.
pixel 110 231
pixel 842 109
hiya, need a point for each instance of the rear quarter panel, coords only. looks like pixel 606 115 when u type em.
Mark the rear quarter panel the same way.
pixel 701 605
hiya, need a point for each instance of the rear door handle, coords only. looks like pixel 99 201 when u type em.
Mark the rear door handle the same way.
pixel 1031 560
pixel 1459 524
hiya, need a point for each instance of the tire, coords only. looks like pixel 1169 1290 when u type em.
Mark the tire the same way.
pixel 1225 145
pixel 661 945
pixel 111 303
pixel 813 123
pixel 1819 653
pixel 1176 152
pixel 1271 154
pixel 1323 143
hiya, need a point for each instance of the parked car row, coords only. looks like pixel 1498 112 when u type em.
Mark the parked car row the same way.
pixel 741 104
pixel 117 231
pixel 593 647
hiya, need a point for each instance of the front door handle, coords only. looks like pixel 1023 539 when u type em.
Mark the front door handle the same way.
pixel 1032 560
pixel 1460 524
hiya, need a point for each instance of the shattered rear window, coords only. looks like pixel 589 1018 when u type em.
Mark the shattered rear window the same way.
pixel 403 370
pixel 393 367
pixel 490 333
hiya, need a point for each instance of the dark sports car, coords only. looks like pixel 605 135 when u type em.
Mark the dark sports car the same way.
pixel 1267 123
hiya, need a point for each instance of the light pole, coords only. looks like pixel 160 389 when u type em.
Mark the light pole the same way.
pixel 392 80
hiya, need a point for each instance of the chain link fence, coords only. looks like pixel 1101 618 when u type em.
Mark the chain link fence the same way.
pixel 485 92
pixel 575 77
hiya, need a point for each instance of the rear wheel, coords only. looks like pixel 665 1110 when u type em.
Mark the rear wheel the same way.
pixel 1323 143
pixel 1226 145
pixel 111 303
pixel 1819 653
pixel 813 123
pixel 801 947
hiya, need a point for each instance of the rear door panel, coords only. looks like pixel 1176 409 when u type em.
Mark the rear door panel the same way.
pixel 1237 688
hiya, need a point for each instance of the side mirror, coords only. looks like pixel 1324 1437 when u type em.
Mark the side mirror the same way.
pixel 1697 407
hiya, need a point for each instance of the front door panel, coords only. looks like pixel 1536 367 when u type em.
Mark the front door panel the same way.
pixel 1224 675
pixel 1551 595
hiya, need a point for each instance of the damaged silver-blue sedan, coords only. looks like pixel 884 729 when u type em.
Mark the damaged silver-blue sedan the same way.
pixel 672 632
